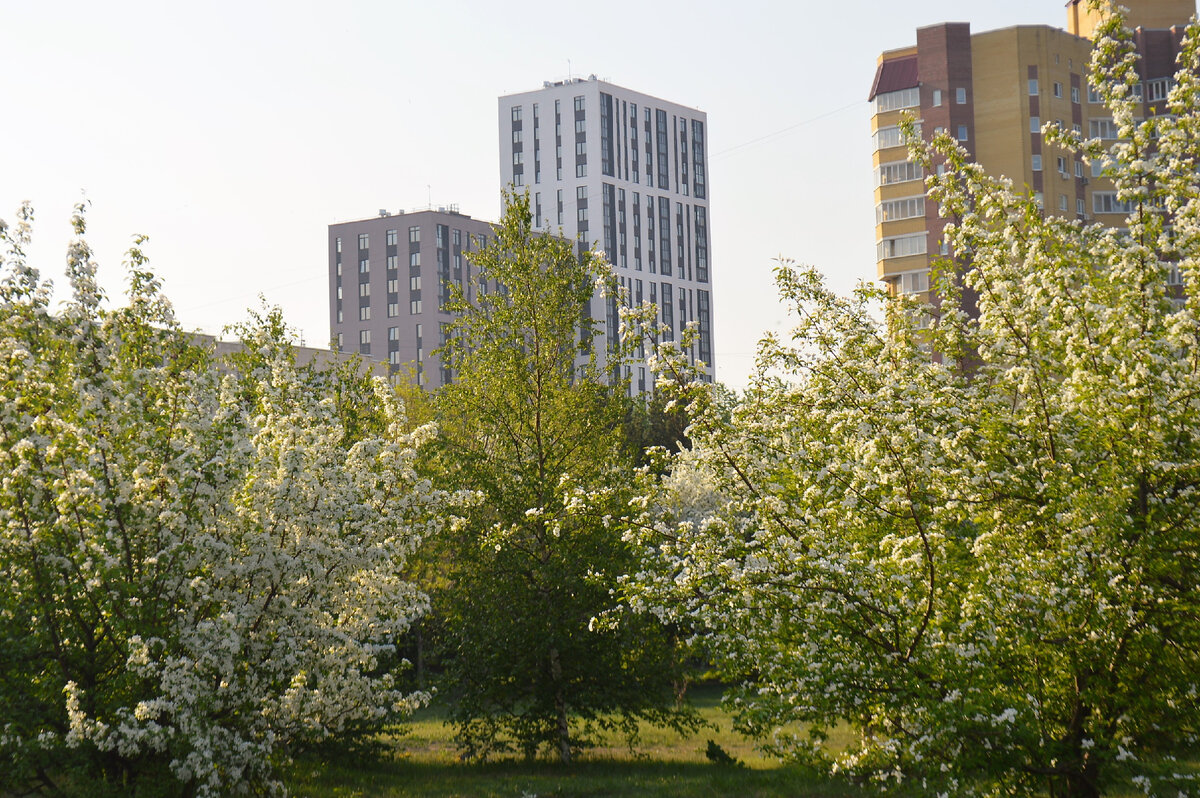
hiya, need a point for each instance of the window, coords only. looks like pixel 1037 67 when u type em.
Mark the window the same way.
pixel 581 170
pixel 364 336
pixel 414 307
pixel 364 313
pixel 1037 162
pixel 393 310
pixel 1057 89
pixel 581 193
pixel 1080 207
pixel 516 113
pixel 341 341
pixel 338 268
pixel 960 96
pixel 898 172
pixel 364 289
pixel 414 283
pixel 1158 89
pixel 393 333
pixel 1062 202
pixel 393 286
pixel 1035 124
pixel 339 316
pixel 1075 94
pixel 582 212
pixel 1033 87
pixel 937 98
pixel 414 235
pixel 579 103
pixel 362 241
pixel 890 137
pixel 895 100
pixel 1102 129
pixel 393 262
pixel 581 126
pixel 901 246
pixel 337 244
pixel 394 358
pixel 1093 95
pixel 581 148
pixel 1062 166
pixel 339 292
pixel 1107 202
pixel 962 132
pixel 517 136
pixel 1174 276
pixel 1039 199
pixel 391 238
pixel 364 266
pixel 906 208
pixel 914 282
pixel 1079 168
pixel 518 158
pixel 414 259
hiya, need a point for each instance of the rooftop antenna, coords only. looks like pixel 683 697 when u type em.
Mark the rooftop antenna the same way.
pixel 570 76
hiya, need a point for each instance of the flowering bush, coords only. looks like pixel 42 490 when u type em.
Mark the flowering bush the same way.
pixel 200 566
pixel 976 543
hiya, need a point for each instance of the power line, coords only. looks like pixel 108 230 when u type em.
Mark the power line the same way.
pixel 787 129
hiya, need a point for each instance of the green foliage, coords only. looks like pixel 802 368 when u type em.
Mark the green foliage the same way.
pixel 529 424
pixel 986 562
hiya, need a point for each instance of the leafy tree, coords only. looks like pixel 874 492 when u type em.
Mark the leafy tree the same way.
pixel 529 423
pixel 988 566
pixel 200 565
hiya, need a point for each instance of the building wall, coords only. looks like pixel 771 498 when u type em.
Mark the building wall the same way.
pixel 1161 14
pixel 409 263
pixel 993 92
pixel 592 165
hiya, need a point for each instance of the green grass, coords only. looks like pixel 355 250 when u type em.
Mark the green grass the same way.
pixel 424 763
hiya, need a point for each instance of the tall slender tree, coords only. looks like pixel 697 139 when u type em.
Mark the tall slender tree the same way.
pixel 531 423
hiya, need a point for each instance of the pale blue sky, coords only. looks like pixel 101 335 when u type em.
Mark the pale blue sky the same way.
pixel 233 133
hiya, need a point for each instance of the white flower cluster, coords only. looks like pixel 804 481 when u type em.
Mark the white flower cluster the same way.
pixel 975 541
pixel 201 568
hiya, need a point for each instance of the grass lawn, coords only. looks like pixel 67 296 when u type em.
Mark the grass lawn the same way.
pixel 423 762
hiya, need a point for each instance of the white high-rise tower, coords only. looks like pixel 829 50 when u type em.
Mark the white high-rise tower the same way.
pixel 627 174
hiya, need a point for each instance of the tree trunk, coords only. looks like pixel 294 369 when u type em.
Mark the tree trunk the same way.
pixel 1083 783
pixel 420 659
pixel 560 707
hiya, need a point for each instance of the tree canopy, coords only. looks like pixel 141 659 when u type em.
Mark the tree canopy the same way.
pixel 531 423
pixel 974 540
pixel 201 566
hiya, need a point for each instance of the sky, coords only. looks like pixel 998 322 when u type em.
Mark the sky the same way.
pixel 233 134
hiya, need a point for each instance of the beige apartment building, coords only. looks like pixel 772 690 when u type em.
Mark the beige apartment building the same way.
pixel 993 91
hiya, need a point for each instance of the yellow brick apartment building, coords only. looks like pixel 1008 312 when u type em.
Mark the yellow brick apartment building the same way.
pixel 993 91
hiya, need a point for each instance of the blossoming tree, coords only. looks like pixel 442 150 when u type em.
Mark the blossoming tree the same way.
pixel 977 544
pixel 199 565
